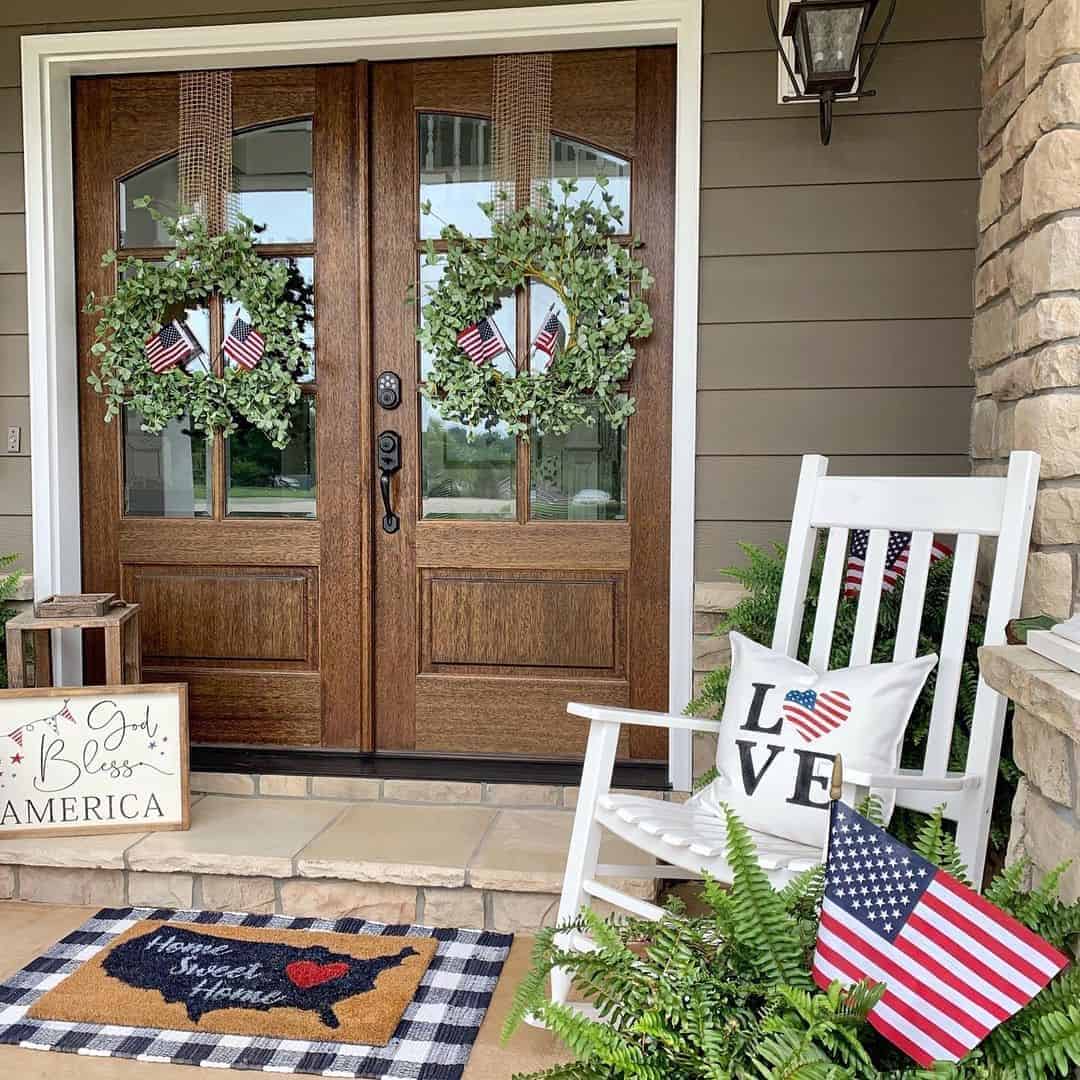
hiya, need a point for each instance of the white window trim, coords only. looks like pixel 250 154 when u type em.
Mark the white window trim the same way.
pixel 48 64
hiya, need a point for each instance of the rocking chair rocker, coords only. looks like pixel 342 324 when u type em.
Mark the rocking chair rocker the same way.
pixel 688 840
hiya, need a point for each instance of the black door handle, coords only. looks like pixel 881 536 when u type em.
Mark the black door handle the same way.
pixel 389 458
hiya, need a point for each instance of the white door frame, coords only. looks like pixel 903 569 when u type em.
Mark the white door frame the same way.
pixel 48 64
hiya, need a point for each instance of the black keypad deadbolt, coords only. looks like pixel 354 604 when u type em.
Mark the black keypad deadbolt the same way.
pixel 388 450
pixel 388 390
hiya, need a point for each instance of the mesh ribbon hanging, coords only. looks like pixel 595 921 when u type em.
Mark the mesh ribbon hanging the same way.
pixel 206 147
pixel 521 122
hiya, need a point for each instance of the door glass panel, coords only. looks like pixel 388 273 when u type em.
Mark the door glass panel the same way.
pixel 301 289
pixel 455 173
pixel 273 181
pixel 161 182
pixel 462 478
pixel 547 325
pixel 572 160
pixel 579 476
pixel 267 482
pixel 165 475
pixel 197 321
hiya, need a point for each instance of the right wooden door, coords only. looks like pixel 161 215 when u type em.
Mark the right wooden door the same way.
pixel 525 574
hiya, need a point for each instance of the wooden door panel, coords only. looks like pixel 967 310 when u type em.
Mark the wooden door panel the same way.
pixel 533 621
pixel 226 613
pixel 487 628
pixel 265 617
pixel 510 716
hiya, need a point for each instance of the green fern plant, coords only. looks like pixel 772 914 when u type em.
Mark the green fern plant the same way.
pixel 755 615
pixel 9 584
pixel 727 994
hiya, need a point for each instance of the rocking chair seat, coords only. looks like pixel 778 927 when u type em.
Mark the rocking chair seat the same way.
pixel 695 838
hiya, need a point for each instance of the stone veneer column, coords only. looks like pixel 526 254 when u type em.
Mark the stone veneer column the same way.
pixel 1026 338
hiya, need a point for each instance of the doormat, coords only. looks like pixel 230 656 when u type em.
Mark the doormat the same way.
pixel 342 997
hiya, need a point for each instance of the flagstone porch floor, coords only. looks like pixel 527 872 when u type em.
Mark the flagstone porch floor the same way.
pixel 28 929
pixel 436 863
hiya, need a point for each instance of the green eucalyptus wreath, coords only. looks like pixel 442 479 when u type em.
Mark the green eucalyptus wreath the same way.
pixel 572 248
pixel 147 294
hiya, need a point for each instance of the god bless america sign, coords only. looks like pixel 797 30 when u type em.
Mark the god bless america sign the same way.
pixel 93 760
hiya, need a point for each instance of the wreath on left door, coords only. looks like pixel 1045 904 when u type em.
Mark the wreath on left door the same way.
pixel 135 340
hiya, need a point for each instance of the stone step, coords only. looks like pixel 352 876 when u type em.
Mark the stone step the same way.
pixel 437 864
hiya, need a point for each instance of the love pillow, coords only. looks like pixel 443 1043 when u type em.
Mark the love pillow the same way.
pixel 784 724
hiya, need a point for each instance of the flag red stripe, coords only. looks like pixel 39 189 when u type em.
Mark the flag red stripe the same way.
pixel 986 940
pixel 910 979
pixel 898 1005
pixel 899 1039
pixel 985 973
pixel 816 723
pixel 807 732
pixel 832 712
pixel 1031 939
pixel 948 976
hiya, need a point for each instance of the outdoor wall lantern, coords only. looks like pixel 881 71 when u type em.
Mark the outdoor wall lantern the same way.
pixel 826 39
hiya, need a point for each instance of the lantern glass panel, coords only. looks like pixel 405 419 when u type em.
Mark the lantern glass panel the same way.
pixel 832 38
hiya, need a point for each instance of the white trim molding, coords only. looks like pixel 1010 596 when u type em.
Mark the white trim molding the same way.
pixel 50 61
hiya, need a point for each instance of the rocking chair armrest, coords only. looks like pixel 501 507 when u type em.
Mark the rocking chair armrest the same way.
pixel 911 781
pixel 608 715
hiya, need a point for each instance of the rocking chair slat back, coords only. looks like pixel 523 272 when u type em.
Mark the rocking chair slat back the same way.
pixel 968 508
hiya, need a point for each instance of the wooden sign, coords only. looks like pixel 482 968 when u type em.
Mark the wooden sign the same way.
pixel 93 759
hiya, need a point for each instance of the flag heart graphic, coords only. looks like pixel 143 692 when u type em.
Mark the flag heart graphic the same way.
pixel 814 714
pixel 306 973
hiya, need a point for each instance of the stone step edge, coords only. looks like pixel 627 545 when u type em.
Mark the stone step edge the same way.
pixel 467 907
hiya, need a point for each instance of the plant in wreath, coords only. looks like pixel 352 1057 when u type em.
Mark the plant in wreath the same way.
pixel 150 295
pixel 571 247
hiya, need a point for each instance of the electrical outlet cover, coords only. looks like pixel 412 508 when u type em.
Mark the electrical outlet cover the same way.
pixel 14 437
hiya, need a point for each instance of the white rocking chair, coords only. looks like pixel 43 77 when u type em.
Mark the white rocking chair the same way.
pixel 689 840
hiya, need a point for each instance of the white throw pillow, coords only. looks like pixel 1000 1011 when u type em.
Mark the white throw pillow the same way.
pixel 784 724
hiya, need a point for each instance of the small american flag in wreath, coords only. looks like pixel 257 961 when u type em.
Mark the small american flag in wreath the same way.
pixel 244 345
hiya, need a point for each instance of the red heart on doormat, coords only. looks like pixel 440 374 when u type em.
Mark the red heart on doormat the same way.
pixel 306 973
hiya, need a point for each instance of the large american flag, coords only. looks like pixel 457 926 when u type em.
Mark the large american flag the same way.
pixel 954 965
pixel 244 345
pixel 481 341
pixel 171 345
pixel 896 559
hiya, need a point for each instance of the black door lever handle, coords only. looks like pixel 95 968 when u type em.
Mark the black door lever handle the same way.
pixel 389 457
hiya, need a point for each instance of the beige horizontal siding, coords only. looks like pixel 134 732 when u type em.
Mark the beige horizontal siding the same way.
pixel 12 303
pixel 869 352
pixel 848 285
pixel 12 244
pixel 11 183
pixel 15 539
pixel 763 488
pixel 716 543
pixel 865 149
pixel 14 371
pixel 916 77
pixel 893 420
pixel 15 484
pixel 928 216
pixel 737 26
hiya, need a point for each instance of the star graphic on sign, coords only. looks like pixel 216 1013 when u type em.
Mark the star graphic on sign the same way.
pixel 153 745
pixel 16 759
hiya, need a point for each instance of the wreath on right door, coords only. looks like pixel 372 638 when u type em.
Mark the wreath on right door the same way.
pixel 571 246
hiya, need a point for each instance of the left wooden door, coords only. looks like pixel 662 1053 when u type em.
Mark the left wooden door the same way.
pixel 250 563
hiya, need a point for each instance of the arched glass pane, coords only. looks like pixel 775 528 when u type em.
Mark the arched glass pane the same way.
pixel 572 160
pixel 274 183
pixel 161 183
pixel 455 172
pixel 463 478
pixel 272 179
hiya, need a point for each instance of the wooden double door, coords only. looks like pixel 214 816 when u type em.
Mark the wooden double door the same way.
pixel 525 573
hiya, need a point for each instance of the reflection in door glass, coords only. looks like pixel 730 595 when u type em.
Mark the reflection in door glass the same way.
pixel 165 475
pixel 267 482
pixel 455 173
pixel 579 476
pixel 197 321
pixel 301 289
pixel 467 479
pixel 572 160
pixel 160 182
pixel 273 181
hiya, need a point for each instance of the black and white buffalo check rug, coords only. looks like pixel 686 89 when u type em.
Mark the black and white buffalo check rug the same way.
pixel 432 1042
